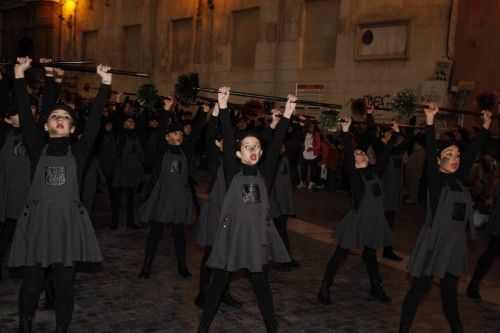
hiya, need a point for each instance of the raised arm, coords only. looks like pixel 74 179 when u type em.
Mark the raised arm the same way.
pixel 273 149
pixel 189 144
pixel 378 168
pixel 230 164
pixel 32 139
pixel 52 89
pixel 430 142
pixel 94 120
pixel 349 164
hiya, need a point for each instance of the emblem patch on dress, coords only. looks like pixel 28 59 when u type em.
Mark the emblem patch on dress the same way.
pixel 175 166
pixel 251 194
pixel 376 190
pixel 19 148
pixel 458 211
pixel 396 163
pixel 55 175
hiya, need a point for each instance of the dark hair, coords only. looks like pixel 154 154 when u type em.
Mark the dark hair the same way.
pixel 64 107
pixel 246 134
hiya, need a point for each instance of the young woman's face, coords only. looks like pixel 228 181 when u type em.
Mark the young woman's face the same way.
pixel 360 158
pixel 59 124
pixel 449 159
pixel 175 138
pixel 129 124
pixel 250 151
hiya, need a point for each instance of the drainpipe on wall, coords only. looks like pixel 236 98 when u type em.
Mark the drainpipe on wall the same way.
pixel 279 29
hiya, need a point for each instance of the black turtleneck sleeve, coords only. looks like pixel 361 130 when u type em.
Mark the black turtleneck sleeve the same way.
pixel 229 162
pixel 270 164
pixel 189 143
pixel 213 152
pixel 32 140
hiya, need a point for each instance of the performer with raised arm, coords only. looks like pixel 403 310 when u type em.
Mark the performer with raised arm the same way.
pixel 246 237
pixel 54 229
pixel 441 247
pixel 365 225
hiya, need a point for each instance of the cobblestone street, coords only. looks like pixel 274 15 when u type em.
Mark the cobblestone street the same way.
pixel 115 300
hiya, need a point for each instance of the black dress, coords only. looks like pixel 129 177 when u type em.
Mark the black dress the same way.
pixel 441 246
pixel 246 236
pixel 365 225
pixel 54 226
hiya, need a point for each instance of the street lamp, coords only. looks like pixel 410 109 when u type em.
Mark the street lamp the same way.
pixel 68 8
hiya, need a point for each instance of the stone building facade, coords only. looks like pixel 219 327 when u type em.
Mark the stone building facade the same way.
pixel 332 50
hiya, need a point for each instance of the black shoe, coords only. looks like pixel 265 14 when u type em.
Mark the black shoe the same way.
pixel 182 267
pixel 61 329
pixel 294 264
pixel 231 302
pixel 146 267
pixel 457 328
pixel 404 328
pixel 473 291
pixel 391 255
pixel 271 326
pixel 378 292
pixel 324 296
pixel 25 325
pixel 203 327
pixel 199 301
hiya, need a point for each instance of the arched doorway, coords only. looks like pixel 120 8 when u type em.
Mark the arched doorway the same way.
pixel 25 47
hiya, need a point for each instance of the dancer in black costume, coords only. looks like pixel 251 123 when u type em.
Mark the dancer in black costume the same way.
pixel 364 226
pixel 246 238
pixel 170 201
pixel 54 228
pixel 441 247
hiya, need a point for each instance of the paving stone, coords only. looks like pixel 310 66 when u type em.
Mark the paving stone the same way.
pixel 113 299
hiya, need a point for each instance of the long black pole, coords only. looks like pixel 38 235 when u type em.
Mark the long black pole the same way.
pixel 272 98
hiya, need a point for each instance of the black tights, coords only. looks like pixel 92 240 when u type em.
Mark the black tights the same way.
pixel 156 234
pixel 486 260
pixel 260 286
pixel 420 287
pixel 117 197
pixel 7 229
pixel 31 288
pixel 205 271
pixel 341 254
pixel 281 223
pixel 389 215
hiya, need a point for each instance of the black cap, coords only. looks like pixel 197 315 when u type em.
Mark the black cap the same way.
pixel 64 107
pixel 9 109
pixel 443 144
pixel 174 128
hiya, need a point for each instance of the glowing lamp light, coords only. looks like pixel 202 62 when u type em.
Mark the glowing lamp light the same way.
pixel 69 6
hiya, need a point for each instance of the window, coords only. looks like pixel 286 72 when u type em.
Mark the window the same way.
pixel 89 45
pixel 181 43
pixel 132 48
pixel 245 37
pixel 320 33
